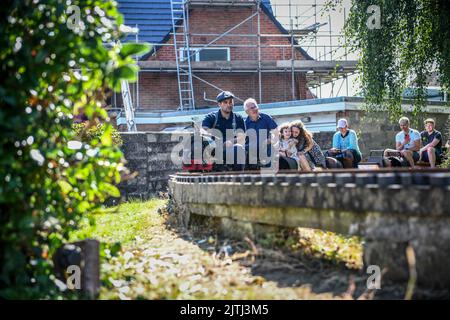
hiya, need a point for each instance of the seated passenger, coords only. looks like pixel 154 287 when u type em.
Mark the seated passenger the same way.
pixel 258 128
pixel 407 143
pixel 287 144
pixel 345 146
pixel 308 151
pixel 228 128
pixel 432 144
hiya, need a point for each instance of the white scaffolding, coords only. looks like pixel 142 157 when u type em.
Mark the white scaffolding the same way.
pixel 319 32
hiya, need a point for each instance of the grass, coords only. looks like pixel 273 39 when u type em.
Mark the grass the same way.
pixel 123 223
pixel 330 246
pixel 156 262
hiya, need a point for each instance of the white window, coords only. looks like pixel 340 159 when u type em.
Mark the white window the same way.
pixel 206 54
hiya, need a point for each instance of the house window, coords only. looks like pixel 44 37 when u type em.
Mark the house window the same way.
pixel 206 54
pixel 184 54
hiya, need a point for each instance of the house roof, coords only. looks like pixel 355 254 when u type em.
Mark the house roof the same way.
pixel 153 18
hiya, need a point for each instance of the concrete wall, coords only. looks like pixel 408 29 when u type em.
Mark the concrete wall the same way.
pixel 148 157
pixel 389 210
pixel 376 131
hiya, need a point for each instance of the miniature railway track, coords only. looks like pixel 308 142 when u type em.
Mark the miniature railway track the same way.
pixel 380 178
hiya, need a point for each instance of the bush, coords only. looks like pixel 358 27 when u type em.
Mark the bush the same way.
pixel 53 67
pixel 86 133
pixel 446 162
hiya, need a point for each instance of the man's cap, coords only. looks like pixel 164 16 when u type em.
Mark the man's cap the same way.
pixel 224 95
pixel 429 120
pixel 342 123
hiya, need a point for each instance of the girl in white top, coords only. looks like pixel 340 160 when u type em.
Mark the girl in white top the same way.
pixel 288 145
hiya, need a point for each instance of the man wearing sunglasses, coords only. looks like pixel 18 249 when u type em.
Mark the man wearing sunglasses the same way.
pixel 259 142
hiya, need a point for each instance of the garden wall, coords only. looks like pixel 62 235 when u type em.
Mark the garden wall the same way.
pixel 148 158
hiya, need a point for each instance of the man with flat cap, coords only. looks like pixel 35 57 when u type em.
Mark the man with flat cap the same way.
pixel 228 128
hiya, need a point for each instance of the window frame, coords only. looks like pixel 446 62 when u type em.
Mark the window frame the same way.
pixel 197 53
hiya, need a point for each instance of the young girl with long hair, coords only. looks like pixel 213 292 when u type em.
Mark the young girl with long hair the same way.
pixel 308 151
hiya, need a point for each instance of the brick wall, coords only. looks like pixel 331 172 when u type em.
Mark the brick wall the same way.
pixel 159 91
pixel 219 20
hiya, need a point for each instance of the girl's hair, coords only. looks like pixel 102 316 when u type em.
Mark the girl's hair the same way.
pixel 283 126
pixel 303 132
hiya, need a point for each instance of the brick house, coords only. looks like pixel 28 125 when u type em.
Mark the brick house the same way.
pixel 234 62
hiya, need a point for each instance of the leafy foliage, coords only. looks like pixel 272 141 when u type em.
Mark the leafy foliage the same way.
pixel 86 133
pixel 330 246
pixel 413 42
pixel 51 72
pixel 446 163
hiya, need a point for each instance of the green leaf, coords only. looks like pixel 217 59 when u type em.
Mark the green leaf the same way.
pixel 106 137
pixel 127 72
pixel 65 186
pixel 111 190
pixel 115 248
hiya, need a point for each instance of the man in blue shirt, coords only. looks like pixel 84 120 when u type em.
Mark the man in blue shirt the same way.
pixel 228 128
pixel 259 142
pixel 407 143
pixel 345 146
pixel 432 144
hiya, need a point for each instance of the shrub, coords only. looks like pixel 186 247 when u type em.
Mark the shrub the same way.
pixel 446 162
pixel 53 66
pixel 86 133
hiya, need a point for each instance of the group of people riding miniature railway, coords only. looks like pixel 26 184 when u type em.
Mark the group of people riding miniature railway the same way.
pixel 257 141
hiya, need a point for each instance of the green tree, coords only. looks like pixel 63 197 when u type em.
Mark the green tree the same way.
pixel 54 63
pixel 411 41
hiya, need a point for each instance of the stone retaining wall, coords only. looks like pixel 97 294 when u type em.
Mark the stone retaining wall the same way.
pixel 148 157
pixel 388 213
